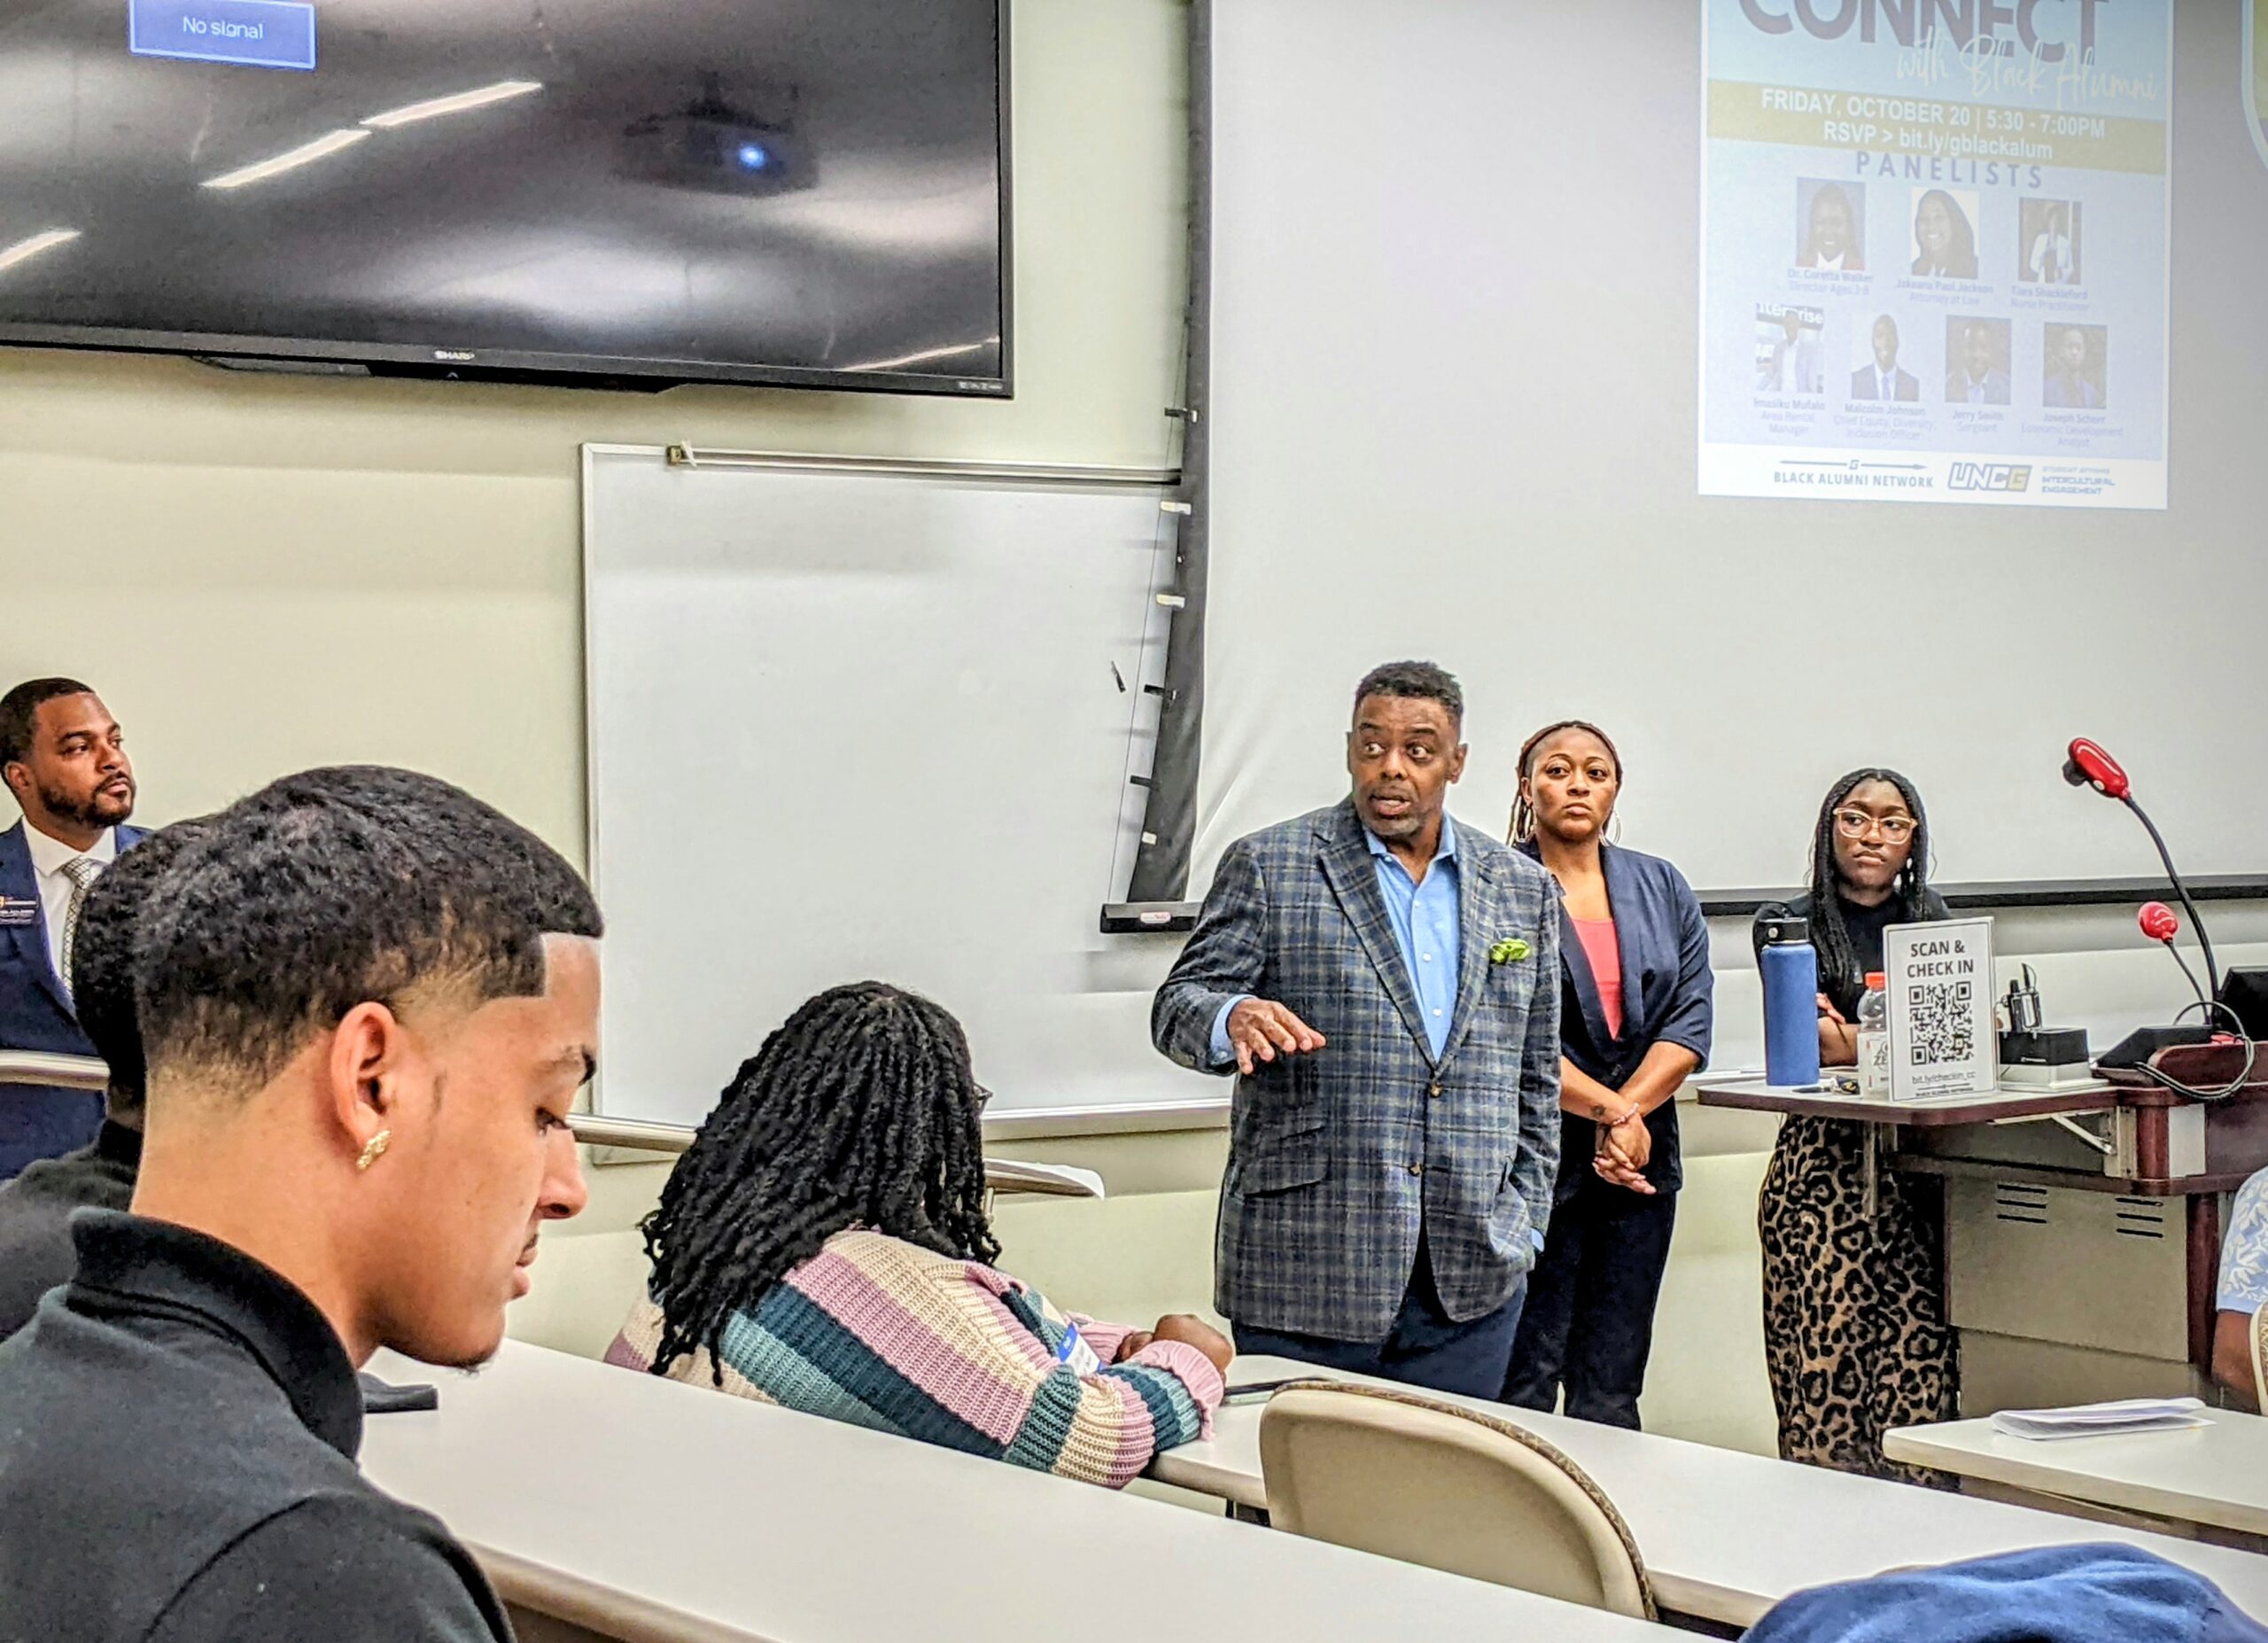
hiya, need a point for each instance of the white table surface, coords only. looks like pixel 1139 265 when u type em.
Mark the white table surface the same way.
pixel 589 1490
pixel 2215 1474
pixel 1725 1535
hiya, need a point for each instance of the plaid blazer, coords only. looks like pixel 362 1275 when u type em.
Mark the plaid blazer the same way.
pixel 1334 1158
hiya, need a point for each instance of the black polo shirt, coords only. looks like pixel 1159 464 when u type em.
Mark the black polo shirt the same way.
pixel 178 1429
pixel 36 1252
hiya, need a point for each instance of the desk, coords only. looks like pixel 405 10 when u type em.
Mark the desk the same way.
pixel 2213 1475
pixel 643 1508
pixel 1727 1535
pixel 1881 1118
pixel 1931 1113
pixel 2082 1229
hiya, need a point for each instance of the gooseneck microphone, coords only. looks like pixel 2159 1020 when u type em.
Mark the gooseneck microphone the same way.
pixel 2159 923
pixel 2086 764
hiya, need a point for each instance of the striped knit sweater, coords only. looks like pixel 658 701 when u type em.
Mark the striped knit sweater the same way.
pixel 885 1333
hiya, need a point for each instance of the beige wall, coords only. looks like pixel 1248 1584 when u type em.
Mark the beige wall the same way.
pixel 263 574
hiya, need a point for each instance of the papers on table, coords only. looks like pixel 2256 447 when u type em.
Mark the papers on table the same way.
pixel 2133 1414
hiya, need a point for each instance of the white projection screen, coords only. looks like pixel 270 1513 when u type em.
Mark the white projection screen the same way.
pixel 1453 414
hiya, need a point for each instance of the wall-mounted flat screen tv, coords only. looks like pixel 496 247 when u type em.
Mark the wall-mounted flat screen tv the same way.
pixel 808 192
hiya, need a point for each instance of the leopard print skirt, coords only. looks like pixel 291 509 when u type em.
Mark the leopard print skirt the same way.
pixel 1856 1338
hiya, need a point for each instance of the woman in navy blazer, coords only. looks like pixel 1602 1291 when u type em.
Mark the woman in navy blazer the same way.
pixel 1634 1018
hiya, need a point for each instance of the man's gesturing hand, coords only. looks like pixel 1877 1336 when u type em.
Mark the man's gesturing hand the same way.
pixel 1261 1029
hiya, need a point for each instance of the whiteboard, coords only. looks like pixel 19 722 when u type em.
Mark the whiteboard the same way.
pixel 848 724
pixel 1452 412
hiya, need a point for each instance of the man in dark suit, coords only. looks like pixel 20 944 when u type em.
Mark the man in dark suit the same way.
pixel 35 1208
pixel 1385 985
pixel 64 759
pixel 1884 380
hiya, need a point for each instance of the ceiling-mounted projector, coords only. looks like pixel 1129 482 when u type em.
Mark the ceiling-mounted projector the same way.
pixel 711 144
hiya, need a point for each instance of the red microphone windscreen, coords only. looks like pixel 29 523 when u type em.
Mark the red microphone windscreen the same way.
pixel 2158 922
pixel 2099 768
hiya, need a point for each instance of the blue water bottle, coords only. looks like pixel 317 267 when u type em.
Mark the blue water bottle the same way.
pixel 1791 968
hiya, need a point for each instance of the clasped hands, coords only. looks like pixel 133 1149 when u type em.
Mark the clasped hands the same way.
pixel 1624 1146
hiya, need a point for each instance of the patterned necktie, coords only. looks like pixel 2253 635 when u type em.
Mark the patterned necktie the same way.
pixel 82 871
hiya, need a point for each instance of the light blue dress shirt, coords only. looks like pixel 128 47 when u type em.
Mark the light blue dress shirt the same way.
pixel 1426 927
pixel 1426 930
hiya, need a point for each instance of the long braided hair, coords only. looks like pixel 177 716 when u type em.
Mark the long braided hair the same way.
pixel 862 1109
pixel 1831 936
pixel 1524 818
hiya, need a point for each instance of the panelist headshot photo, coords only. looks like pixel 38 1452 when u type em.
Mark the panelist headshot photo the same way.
pixel 1830 225
pixel 1976 361
pixel 1787 350
pixel 1945 234
pixel 1879 376
pixel 2047 236
pixel 2073 363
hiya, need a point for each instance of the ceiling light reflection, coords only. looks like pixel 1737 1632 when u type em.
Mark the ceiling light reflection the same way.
pixel 25 250
pixel 480 96
pixel 290 160
pixel 926 355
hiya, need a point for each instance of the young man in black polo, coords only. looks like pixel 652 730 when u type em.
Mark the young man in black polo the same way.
pixel 366 1001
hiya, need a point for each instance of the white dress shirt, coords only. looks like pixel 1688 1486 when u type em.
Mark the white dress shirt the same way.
pixel 49 856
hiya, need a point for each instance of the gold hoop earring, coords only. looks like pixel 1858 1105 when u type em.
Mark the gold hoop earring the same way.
pixel 375 1149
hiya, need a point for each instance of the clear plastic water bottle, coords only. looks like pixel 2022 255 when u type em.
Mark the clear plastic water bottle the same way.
pixel 1874 1039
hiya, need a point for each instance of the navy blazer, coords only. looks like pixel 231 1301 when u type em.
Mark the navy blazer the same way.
pixel 1668 996
pixel 37 1121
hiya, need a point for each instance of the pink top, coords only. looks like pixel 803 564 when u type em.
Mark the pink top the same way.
pixel 1604 953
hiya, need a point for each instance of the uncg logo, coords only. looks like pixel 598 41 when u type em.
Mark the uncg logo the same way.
pixel 1988 476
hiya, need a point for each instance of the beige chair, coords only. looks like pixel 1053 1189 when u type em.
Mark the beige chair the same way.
pixel 1400 1475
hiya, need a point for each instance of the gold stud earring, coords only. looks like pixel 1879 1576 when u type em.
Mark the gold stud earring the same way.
pixel 376 1150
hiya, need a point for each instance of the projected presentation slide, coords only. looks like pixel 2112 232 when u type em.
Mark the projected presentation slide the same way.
pixel 1933 250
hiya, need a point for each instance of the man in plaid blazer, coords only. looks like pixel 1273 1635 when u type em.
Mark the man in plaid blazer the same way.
pixel 1386 986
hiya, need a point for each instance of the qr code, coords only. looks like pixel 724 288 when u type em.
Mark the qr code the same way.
pixel 1942 1023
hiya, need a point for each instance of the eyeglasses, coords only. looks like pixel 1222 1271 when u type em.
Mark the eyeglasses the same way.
pixel 1854 824
pixel 983 1098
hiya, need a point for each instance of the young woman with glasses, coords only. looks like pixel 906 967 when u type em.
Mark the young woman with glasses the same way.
pixel 1855 1334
